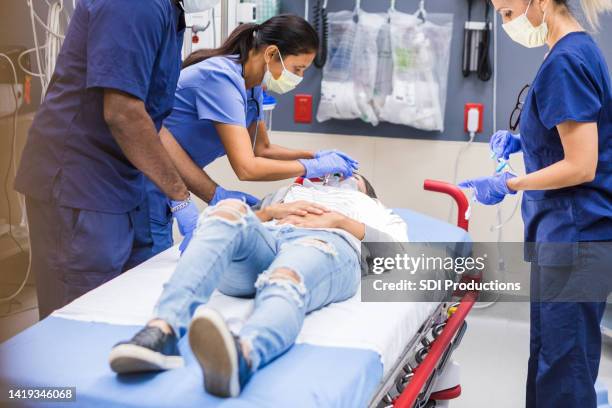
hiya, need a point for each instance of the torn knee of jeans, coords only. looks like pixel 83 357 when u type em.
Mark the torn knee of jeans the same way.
pixel 287 279
pixel 319 244
pixel 230 210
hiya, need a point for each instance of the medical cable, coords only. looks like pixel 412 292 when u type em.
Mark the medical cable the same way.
pixel 24 69
pixel 464 148
pixel 477 44
pixel 320 24
pixel 53 41
pixel 484 70
pixel 214 28
pixel 12 165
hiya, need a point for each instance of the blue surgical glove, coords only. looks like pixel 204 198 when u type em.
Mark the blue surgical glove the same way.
pixel 186 216
pixel 331 163
pixel 222 194
pixel 345 156
pixel 503 144
pixel 490 190
pixel 185 242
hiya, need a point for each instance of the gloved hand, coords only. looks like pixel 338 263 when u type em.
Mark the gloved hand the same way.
pixel 503 144
pixel 185 242
pixel 186 215
pixel 490 190
pixel 327 164
pixel 222 194
pixel 345 156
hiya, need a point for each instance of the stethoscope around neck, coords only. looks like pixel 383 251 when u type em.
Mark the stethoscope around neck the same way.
pixel 252 98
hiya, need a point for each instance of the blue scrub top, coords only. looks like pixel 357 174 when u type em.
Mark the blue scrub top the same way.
pixel 71 156
pixel 210 91
pixel 573 84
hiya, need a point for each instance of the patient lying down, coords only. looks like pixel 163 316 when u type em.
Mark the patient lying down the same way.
pixel 298 253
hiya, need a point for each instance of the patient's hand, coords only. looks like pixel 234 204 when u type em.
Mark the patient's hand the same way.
pixel 296 208
pixel 329 219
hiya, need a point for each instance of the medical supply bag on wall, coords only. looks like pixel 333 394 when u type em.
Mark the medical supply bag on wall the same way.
pixel 384 69
pixel 421 57
pixel 347 86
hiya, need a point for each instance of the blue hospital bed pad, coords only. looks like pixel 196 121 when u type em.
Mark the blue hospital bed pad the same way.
pixel 423 228
pixel 62 352
pixel 339 360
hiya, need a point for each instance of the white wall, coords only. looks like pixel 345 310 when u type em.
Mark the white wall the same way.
pixel 397 168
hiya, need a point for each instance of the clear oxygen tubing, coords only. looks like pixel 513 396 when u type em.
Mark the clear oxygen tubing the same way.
pixel 463 149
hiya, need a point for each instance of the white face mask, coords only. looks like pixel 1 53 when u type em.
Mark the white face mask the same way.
pixel 197 6
pixel 287 81
pixel 523 32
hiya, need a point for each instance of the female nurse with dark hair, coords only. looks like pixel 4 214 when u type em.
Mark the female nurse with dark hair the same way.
pixel 218 111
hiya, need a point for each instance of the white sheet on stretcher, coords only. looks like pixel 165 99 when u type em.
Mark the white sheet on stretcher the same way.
pixel 385 328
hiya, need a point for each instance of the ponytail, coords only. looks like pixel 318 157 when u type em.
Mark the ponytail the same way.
pixel 290 33
pixel 593 8
pixel 238 43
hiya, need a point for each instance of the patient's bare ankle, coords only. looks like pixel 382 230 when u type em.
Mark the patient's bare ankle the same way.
pixel 162 325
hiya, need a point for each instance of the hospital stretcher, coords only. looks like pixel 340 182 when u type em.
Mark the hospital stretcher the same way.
pixel 350 354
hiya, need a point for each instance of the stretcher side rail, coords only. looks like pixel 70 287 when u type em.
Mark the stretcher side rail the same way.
pixel 418 389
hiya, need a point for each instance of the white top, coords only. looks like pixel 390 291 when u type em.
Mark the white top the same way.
pixel 351 203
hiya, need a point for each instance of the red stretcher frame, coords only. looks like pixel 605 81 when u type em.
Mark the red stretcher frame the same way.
pixel 424 372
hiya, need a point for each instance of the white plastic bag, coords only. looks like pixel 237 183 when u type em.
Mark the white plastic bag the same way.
pixel 421 56
pixel 384 68
pixel 337 88
pixel 347 86
pixel 365 63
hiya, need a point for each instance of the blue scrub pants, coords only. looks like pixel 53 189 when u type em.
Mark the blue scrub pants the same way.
pixel 565 336
pixel 75 250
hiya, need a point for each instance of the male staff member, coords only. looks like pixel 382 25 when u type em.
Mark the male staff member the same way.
pixel 93 140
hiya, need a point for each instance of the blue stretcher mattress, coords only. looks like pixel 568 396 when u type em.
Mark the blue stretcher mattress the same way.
pixel 70 353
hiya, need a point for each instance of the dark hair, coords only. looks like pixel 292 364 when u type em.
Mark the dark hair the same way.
pixel 369 189
pixel 290 33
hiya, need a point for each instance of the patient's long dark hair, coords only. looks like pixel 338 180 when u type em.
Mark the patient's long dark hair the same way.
pixel 290 33
pixel 369 189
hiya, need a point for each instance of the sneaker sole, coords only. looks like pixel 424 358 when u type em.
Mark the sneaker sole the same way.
pixel 213 345
pixel 130 358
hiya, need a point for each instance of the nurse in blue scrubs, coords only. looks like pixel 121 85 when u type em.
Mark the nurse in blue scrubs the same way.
pixel 566 140
pixel 218 111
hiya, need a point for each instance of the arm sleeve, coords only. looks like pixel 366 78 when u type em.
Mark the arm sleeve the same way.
pixel 566 90
pixel 374 235
pixel 123 40
pixel 220 99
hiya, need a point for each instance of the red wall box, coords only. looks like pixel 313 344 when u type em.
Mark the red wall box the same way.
pixel 302 108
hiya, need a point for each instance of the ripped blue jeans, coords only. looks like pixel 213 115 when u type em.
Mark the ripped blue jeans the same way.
pixel 242 257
